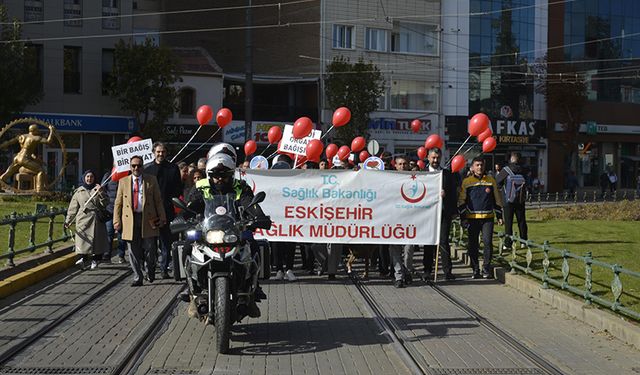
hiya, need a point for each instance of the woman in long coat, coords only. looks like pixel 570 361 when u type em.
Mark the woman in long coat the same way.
pixel 91 233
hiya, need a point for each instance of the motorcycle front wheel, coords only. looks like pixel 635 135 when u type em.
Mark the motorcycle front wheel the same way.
pixel 222 312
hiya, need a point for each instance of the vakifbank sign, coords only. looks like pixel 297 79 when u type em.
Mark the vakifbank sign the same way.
pixel 86 123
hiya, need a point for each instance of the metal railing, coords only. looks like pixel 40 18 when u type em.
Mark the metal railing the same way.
pixel 537 261
pixel 579 197
pixel 11 221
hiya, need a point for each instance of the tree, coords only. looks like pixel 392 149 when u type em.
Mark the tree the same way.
pixel 357 87
pixel 566 91
pixel 142 81
pixel 19 70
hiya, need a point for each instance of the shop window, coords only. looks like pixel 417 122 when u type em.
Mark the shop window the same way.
pixel 376 39
pixel 34 58
pixel 187 101
pixel 33 10
pixel 414 38
pixel 72 12
pixel 413 95
pixel 108 60
pixel 111 14
pixel 72 70
pixel 343 36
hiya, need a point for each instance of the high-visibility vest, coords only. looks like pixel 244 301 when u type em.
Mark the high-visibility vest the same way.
pixel 205 187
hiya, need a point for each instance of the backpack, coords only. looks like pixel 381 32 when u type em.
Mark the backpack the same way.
pixel 515 187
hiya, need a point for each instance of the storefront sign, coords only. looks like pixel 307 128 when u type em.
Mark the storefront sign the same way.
pixel 398 129
pixel 86 123
pixel 512 131
pixel 234 132
pixel 594 128
pixel 365 207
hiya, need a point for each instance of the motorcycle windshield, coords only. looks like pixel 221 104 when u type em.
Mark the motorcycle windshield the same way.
pixel 220 212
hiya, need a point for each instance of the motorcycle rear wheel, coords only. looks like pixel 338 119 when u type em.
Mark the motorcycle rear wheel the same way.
pixel 222 314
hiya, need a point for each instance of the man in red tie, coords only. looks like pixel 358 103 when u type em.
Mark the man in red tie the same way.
pixel 138 213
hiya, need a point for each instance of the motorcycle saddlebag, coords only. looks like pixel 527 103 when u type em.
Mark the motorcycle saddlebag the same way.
pixel 178 256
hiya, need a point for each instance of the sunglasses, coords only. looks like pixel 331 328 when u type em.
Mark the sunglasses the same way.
pixel 136 166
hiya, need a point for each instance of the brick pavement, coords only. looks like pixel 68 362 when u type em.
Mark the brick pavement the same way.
pixel 101 333
pixel 307 327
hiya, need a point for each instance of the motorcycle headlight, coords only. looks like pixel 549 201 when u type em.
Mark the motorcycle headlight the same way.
pixel 230 238
pixel 215 236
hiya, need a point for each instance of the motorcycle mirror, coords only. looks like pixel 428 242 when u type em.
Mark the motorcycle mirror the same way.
pixel 181 205
pixel 258 198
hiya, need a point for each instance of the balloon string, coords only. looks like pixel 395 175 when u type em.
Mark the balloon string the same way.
pixel 202 144
pixel 460 148
pixel 272 155
pixel 186 144
pixel 295 162
pixel 265 149
pixel 327 132
pixel 469 149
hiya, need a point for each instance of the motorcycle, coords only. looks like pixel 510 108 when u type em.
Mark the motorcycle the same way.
pixel 217 261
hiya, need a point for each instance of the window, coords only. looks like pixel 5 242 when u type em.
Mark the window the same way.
pixel 111 12
pixel 141 35
pixel 72 11
pixel 376 39
pixel 343 36
pixel 413 95
pixel 34 59
pixel 72 70
pixel 108 60
pixel 33 10
pixel 414 38
pixel 187 101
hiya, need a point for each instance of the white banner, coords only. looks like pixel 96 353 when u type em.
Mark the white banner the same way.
pixel 296 146
pixel 341 206
pixel 123 153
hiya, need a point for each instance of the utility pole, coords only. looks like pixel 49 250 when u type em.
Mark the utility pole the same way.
pixel 248 71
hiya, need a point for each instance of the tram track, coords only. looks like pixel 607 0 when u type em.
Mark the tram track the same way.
pixel 12 352
pixel 416 362
pixel 125 364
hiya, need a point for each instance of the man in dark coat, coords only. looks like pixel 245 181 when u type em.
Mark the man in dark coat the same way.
pixel 517 207
pixel 170 182
pixel 449 194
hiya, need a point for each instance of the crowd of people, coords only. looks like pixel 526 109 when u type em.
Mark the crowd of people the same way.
pixel 134 211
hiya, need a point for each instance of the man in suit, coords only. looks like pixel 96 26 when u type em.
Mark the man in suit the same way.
pixel 138 213
pixel 449 195
pixel 170 183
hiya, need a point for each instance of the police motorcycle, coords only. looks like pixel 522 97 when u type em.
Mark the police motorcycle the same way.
pixel 219 268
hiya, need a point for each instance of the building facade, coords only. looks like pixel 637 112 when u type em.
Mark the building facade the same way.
pixel 489 48
pixel 600 41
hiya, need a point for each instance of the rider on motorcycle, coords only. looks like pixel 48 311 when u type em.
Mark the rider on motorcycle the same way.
pixel 220 170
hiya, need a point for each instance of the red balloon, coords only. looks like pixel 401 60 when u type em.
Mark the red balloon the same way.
pixel 331 151
pixel 416 125
pixel 421 165
pixel 484 135
pixel 224 117
pixel 358 144
pixel 250 147
pixel 274 134
pixel 115 176
pixel 204 115
pixel 422 152
pixel 343 152
pixel 364 155
pixel 302 127
pixel 433 141
pixel 457 163
pixel 135 138
pixel 489 144
pixel 478 123
pixel 314 150
pixel 341 117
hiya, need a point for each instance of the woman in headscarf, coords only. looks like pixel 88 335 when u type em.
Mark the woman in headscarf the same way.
pixel 91 233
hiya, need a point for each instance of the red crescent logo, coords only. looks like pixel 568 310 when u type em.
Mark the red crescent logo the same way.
pixel 413 200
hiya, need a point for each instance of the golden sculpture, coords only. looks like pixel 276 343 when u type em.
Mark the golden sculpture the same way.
pixel 26 161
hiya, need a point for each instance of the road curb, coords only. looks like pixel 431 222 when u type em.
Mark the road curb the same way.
pixel 592 315
pixel 22 280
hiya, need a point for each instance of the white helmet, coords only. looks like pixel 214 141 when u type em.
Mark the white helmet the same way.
pixel 220 165
pixel 223 148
